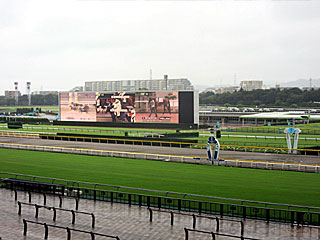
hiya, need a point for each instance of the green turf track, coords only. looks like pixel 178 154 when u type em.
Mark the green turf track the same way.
pixel 249 184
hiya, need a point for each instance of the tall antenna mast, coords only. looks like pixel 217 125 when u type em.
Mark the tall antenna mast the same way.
pixel 29 92
pixel 150 74
pixel 166 81
pixel 235 79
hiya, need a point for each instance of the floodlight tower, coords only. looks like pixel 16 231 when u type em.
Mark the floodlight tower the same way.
pixel 166 81
pixel 16 92
pixel 29 92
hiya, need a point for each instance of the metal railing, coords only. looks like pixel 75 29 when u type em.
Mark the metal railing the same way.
pixel 273 130
pixel 214 234
pixel 54 209
pixel 67 187
pixel 45 197
pixel 194 219
pixel 46 230
pixel 293 214
pixel 18 134
pixel 271 165
pixel 116 140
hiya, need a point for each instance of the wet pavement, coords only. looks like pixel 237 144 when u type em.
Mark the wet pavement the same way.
pixel 127 222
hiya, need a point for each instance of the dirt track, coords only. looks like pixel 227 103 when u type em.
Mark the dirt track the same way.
pixel 167 150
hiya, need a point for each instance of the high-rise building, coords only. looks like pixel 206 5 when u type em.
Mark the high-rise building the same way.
pixel 250 85
pixel 136 85
pixel 11 94
pixel 45 92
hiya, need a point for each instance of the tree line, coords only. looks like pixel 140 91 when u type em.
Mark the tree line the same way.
pixel 39 100
pixel 291 97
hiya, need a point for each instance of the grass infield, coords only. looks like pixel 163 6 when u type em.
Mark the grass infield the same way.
pixel 249 184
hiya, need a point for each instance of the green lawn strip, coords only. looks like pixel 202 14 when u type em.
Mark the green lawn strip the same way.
pixel 62 131
pixel 52 109
pixel 225 140
pixel 100 131
pixel 60 127
pixel 239 183
pixel 262 142
pixel 121 131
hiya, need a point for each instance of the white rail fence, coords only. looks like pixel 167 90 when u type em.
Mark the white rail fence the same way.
pixel 313 168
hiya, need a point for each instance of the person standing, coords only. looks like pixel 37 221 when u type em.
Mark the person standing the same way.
pixel 153 106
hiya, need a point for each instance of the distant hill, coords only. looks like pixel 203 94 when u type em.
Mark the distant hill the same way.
pixel 288 97
pixel 302 83
pixel 200 88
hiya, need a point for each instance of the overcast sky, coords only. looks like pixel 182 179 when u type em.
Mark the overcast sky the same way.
pixel 61 44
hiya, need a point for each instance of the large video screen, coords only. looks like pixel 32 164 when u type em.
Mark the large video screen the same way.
pixel 120 107
pixel 157 107
pixel 116 107
pixel 77 106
